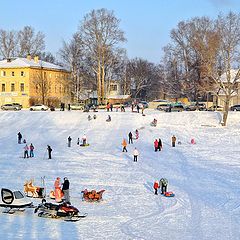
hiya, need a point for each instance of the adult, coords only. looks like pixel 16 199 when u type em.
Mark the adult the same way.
pixel 49 149
pixel 159 144
pixel 130 138
pixel 174 141
pixel 69 141
pixel 163 184
pixel 84 139
pixel 124 144
pixel 57 190
pixel 138 108
pixel 156 145
pixel 19 138
pixel 31 147
pixel 65 189
pixel 26 148
pixel 135 155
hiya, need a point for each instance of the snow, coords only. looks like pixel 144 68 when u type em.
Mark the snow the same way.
pixel 205 176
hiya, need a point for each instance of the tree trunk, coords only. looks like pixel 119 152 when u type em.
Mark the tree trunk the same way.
pixel 225 113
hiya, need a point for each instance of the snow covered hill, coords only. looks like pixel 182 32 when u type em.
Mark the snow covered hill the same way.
pixel 205 176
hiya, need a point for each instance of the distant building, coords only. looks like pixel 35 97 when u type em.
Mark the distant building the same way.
pixel 29 81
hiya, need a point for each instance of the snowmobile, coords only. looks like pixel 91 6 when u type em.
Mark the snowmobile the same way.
pixel 63 211
pixel 13 201
pixel 92 196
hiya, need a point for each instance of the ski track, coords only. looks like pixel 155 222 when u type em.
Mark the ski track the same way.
pixel 129 209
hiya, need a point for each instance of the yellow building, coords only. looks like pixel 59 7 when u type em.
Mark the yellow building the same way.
pixel 30 81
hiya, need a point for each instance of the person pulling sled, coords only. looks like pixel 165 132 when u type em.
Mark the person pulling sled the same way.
pixel 163 184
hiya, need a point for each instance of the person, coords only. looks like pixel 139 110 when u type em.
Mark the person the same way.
pixel 49 152
pixel 163 184
pixel 111 107
pixel 78 141
pixel 135 154
pixel 84 139
pixel 156 186
pixel 94 116
pixel 89 118
pixel 69 107
pixel 57 191
pixel 138 108
pixel 143 111
pixel 132 107
pixel 109 118
pixel 122 108
pixel 159 144
pixel 65 189
pixel 31 147
pixel 24 141
pixel 26 148
pixel 69 141
pixel 193 141
pixel 124 144
pixel 130 138
pixel 173 140
pixel 19 138
pixel 108 106
pixel 137 134
pixel 156 145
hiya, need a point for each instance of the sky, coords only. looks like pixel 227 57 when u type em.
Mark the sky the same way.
pixel 146 23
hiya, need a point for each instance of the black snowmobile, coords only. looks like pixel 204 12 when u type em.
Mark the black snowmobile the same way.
pixel 63 211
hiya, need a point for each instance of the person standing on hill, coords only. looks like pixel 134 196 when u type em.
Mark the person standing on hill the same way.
pixel 31 147
pixel 49 152
pixel 69 141
pixel 57 191
pixel 174 141
pixel 124 144
pixel 156 187
pixel 163 184
pixel 156 145
pixel 135 155
pixel 19 138
pixel 130 138
pixel 26 148
pixel 65 189
pixel 159 144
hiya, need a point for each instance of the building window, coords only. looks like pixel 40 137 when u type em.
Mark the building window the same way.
pixel 12 87
pixel 3 87
pixel 22 74
pixel 13 74
pixel 21 87
pixel 3 73
pixel 113 87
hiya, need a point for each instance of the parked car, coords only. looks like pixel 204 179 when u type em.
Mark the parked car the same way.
pixel 195 106
pixel 18 104
pixel 38 107
pixel 11 106
pixel 77 106
pixel 177 107
pixel 163 107
pixel 143 104
pixel 235 108
pixel 215 108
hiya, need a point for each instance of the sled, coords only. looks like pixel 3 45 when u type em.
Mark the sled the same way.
pixel 169 194
pixel 34 191
pixel 52 195
pixel 84 145
pixel 92 196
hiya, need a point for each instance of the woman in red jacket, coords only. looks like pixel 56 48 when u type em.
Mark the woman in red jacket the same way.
pixel 156 145
pixel 156 186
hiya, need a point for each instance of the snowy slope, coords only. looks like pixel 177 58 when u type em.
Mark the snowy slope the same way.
pixel 205 177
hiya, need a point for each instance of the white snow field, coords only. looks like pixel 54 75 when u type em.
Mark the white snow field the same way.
pixel 205 177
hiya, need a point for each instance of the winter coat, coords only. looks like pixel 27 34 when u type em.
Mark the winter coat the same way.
pixel 124 143
pixel 49 149
pixel 135 152
pixel 159 143
pixel 57 183
pixel 155 185
pixel 163 182
pixel 65 185
pixel 156 143
pixel 26 148
pixel 84 137
pixel 174 139
pixel 31 147
pixel 130 135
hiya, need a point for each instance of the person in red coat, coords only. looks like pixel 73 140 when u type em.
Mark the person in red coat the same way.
pixel 156 145
pixel 156 187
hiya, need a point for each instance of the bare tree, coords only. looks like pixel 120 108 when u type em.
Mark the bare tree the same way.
pixel 30 42
pixel 8 43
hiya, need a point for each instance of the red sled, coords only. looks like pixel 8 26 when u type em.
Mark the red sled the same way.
pixel 169 194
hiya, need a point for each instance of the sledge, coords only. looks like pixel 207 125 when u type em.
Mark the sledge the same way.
pixel 34 191
pixel 52 195
pixel 64 211
pixel 92 196
pixel 169 194
pixel 84 145
pixel 14 201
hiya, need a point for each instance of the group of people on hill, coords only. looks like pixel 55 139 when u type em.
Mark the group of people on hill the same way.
pixel 162 183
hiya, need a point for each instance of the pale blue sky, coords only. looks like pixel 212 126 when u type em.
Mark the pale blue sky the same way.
pixel 146 23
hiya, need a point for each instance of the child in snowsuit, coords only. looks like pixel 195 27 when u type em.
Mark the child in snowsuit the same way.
pixel 173 140
pixel 156 186
pixel 31 147
pixel 163 184
pixel 156 145
pixel 130 138
pixel 124 144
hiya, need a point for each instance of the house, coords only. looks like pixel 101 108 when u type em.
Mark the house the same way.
pixel 29 81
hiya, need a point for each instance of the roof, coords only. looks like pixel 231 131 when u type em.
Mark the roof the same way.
pixel 233 73
pixel 24 62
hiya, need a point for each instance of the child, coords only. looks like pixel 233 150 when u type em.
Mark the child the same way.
pixel 156 186
pixel 156 145
pixel 124 144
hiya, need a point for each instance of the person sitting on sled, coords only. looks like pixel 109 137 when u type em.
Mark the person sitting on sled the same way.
pixel 163 184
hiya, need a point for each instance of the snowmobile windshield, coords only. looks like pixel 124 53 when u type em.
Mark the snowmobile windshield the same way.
pixel 18 195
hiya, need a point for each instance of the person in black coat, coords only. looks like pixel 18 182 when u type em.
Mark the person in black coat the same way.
pixel 69 141
pixel 159 144
pixel 19 137
pixel 130 138
pixel 49 152
pixel 65 189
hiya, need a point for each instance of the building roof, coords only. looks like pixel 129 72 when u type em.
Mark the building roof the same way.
pixel 24 62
